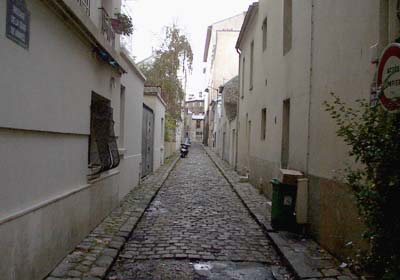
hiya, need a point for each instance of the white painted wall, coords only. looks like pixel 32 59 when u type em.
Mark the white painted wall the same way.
pixel 276 77
pixel 330 53
pixel 158 107
pixel 47 204
pixel 341 66
pixel 222 62
pixel 132 142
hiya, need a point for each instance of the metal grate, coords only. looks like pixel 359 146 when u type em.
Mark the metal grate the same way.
pixel 106 27
pixel 104 151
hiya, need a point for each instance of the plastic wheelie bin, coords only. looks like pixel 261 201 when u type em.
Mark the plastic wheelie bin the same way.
pixel 283 205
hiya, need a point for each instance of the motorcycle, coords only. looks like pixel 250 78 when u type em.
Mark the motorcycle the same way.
pixel 184 150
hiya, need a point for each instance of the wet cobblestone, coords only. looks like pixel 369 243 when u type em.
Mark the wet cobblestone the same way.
pixel 196 216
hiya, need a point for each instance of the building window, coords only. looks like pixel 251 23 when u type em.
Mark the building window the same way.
pixel 199 133
pixel 287 26
pixel 198 123
pixel 103 148
pixel 264 124
pixel 251 63
pixel 264 34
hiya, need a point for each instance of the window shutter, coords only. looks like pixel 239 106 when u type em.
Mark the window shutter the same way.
pixel 104 136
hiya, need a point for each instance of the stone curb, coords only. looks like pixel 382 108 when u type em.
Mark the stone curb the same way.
pixel 321 266
pixel 93 257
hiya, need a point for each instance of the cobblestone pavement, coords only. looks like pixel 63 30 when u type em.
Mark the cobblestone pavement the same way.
pixel 306 258
pixel 197 218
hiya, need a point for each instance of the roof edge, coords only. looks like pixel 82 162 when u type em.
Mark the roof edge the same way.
pixel 253 8
pixel 125 55
pixel 207 46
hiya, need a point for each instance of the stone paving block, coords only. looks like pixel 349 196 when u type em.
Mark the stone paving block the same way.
pixel 98 271
pixel 104 261
pixel 330 272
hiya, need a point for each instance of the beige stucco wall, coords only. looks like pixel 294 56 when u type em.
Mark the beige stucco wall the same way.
pixel 341 64
pixel 276 78
pixel 335 59
pixel 158 108
pixel 47 205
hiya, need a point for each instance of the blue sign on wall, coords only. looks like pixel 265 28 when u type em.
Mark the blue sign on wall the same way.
pixel 17 22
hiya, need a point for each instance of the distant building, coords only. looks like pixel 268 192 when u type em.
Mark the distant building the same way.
pixel 221 61
pixel 194 119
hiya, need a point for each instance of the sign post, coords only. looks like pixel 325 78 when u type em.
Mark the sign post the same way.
pixel 388 78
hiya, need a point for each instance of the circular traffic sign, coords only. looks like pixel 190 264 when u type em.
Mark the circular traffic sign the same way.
pixel 388 79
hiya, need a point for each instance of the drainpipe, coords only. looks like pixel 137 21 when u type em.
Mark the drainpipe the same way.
pixel 237 116
pixel 310 88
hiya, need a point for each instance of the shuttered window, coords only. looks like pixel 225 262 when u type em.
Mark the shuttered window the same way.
pixel 103 148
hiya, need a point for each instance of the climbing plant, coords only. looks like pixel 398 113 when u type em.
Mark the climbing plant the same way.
pixel 373 136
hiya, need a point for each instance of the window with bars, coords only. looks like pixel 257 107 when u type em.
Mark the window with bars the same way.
pixel 103 148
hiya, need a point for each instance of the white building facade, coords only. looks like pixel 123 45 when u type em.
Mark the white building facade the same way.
pixel 221 61
pixel 61 66
pixel 154 101
pixel 293 54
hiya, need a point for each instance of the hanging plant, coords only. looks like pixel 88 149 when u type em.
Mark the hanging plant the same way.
pixel 122 24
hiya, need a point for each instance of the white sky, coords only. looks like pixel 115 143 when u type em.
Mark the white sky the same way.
pixel 193 17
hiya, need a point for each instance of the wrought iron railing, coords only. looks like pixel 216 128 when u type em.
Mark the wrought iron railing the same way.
pixel 106 27
pixel 85 4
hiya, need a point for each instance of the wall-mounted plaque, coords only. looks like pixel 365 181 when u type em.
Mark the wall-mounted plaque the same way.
pixel 17 22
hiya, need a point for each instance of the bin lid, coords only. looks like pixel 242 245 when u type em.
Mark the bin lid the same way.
pixel 275 181
pixel 289 177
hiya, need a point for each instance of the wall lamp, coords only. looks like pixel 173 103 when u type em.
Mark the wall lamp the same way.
pixel 219 89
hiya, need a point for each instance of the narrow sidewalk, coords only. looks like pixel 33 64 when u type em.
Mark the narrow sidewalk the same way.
pixel 304 256
pixel 94 256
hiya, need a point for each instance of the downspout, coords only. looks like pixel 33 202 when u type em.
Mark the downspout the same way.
pixel 310 89
pixel 237 116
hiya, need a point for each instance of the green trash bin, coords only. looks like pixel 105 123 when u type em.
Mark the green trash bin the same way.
pixel 283 205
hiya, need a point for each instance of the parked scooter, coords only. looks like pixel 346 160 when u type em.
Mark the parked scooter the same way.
pixel 185 147
pixel 184 150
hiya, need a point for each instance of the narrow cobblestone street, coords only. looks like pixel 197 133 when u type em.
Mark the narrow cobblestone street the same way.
pixel 197 228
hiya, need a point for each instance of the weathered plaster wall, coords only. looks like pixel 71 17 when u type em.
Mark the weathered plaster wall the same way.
pixel 343 35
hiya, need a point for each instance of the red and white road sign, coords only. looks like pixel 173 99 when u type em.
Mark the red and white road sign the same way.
pixel 388 79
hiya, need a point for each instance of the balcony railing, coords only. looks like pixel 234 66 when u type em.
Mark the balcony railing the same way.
pixel 106 27
pixel 86 5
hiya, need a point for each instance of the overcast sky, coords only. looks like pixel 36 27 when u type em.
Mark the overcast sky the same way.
pixel 150 16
